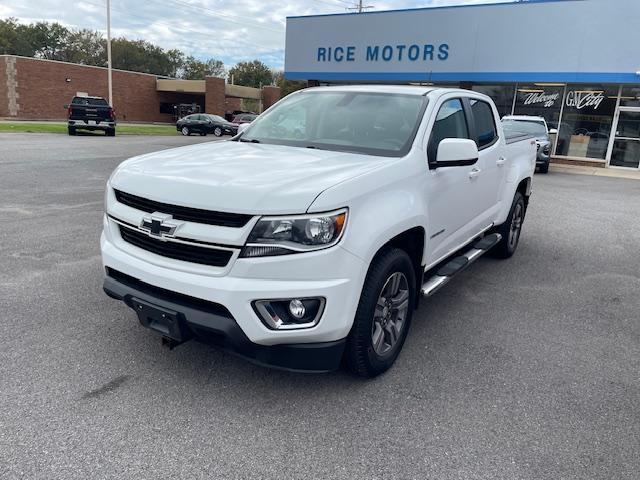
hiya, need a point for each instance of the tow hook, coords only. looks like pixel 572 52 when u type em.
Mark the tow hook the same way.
pixel 170 343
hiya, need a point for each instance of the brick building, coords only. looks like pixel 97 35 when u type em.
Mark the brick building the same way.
pixel 38 89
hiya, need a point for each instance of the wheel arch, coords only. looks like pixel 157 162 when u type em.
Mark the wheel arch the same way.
pixel 412 241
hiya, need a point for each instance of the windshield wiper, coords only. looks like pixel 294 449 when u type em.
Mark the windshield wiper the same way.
pixel 249 140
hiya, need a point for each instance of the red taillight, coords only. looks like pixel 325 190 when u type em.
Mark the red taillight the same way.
pixel 112 114
pixel 69 111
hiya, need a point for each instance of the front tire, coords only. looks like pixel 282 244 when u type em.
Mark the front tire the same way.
pixel 511 229
pixel 71 130
pixel 384 314
pixel 185 131
pixel 544 168
pixel 217 132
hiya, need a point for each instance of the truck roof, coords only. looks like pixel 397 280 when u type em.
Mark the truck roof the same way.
pixel 401 89
pixel 527 118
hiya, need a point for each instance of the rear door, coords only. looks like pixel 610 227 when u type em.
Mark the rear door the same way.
pixel 492 161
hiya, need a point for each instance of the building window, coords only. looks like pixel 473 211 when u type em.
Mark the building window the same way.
pixel 630 97
pixel 586 121
pixel 540 100
pixel 502 96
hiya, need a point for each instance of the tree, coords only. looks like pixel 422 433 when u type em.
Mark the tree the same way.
pixel 48 39
pixel 287 86
pixel 87 47
pixel 13 39
pixel 251 74
pixel 145 57
pixel 194 69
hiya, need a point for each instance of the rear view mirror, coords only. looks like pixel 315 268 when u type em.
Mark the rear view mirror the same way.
pixel 553 131
pixel 456 152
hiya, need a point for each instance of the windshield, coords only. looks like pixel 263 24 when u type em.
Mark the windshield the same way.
pixel 216 118
pixel 525 126
pixel 363 122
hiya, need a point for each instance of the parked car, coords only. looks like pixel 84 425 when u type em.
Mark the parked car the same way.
pixel 536 126
pixel 204 123
pixel 244 118
pixel 90 113
pixel 297 251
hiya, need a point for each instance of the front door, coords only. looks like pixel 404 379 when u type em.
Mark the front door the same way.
pixel 453 194
pixel 626 142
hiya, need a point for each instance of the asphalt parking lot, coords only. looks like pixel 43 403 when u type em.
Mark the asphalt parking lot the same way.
pixel 520 369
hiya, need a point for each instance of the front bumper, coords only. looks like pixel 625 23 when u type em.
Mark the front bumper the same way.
pixel 334 274
pixel 213 324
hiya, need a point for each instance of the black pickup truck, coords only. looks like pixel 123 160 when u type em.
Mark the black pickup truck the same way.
pixel 91 113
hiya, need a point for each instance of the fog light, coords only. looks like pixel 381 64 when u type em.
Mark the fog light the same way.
pixel 297 308
pixel 290 314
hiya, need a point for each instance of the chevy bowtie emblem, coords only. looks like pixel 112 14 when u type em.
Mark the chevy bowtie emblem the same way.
pixel 159 225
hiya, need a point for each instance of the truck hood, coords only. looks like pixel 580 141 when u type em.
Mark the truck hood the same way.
pixel 240 177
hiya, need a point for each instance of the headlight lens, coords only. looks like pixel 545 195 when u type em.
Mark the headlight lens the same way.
pixel 295 234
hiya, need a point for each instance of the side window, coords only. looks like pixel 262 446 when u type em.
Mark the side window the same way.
pixel 485 124
pixel 451 122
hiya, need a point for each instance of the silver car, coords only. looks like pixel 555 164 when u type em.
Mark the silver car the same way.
pixel 536 126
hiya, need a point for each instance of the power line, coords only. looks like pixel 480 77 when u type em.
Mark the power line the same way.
pixel 173 26
pixel 224 16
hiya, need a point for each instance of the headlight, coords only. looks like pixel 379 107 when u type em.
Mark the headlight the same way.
pixel 295 234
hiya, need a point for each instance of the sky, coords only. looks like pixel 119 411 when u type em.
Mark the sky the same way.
pixel 229 30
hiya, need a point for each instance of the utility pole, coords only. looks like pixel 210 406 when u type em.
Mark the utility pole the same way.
pixel 360 8
pixel 110 80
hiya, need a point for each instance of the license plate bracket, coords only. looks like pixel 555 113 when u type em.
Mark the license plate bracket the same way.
pixel 163 320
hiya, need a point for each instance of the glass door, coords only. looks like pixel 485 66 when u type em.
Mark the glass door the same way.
pixel 626 142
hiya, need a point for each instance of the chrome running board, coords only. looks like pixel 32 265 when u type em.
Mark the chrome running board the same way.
pixel 457 264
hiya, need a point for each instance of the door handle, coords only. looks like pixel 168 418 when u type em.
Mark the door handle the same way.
pixel 501 161
pixel 475 172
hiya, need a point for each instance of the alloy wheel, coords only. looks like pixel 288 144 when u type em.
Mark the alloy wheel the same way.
pixel 390 314
pixel 516 226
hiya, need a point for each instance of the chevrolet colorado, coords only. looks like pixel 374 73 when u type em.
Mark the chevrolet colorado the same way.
pixel 300 244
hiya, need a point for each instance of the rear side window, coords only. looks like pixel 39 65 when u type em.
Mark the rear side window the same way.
pixel 451 122
pixel 485 125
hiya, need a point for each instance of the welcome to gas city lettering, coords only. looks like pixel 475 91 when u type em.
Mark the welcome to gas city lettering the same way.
pixel 580 99
pixel 548 100
pixel 386 53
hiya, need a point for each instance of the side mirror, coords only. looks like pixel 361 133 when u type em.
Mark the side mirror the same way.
pixel 456 152
pixel 553 131
pixel 66 105
pixel 242 127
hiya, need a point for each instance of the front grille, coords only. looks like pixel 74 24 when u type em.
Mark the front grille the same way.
pixel 188 214
pixel 177 251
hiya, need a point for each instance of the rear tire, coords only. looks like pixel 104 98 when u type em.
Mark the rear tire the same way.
pixel 71 130
pixel 511 229
pixel 111 132
pixel 384 314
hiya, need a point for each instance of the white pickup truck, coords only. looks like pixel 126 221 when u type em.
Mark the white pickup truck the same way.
pixel 309 237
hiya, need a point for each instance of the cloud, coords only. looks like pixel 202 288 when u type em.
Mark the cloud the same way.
pixel 230 31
